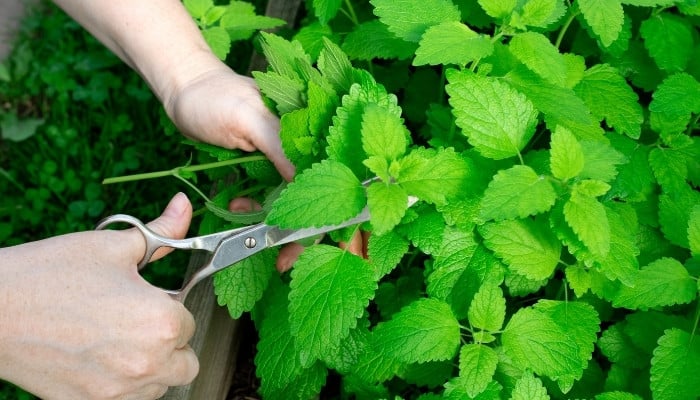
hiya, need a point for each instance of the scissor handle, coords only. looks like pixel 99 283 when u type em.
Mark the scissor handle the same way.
pixel 154 241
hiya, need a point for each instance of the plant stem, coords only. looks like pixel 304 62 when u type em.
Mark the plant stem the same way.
pixel 191 185
pixel 11 179
pixel 176 171
pixel 351 12
pixel 564 28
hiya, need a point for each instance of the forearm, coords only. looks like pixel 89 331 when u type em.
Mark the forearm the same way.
pixel 157 38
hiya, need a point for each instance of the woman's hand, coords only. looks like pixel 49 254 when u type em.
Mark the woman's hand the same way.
pixel 223 108
pixel 79 322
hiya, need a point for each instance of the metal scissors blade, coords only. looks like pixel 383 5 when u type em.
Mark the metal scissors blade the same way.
pixel 228 247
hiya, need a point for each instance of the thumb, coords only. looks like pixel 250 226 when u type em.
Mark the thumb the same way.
pixel 173 222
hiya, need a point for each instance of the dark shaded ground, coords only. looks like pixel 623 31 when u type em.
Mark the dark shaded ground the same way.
pixel 245 384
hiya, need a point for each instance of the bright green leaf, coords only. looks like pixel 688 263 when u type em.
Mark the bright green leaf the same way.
pixel 385 251
pixel 605 17
pixel 664 282
pixel 488 308
pixel 408 19
pixel 425 330
pixel 540 55
pixel 527 246
pixel 451 42
pixel 674 101
pixel 499 9
pixel 335 66
pixel 383 133
pixel 578 279
pixel 330 289
pixel 287 93
pixel 497 129
pixel 197 8
pixel 327 193
pixel 434 176
pixel 517 192
pixel 675 367
pixel 587 217
pixel 541 13
pixel 241 286
pixel 608 96
pixel 534 341
pixel 529 387
pixel 566 159
pixel 218 40
pixel 387 205
pixel 600 160
pixel 286 58
pixel 477 365
pixel 674 213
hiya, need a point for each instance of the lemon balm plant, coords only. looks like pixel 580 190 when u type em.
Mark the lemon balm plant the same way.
pixel 555 250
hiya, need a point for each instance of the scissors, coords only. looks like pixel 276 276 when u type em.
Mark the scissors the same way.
pixel 228 247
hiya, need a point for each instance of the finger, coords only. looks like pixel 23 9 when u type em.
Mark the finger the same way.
pixel 267 140
pixel 244 204
pixel 182 368
pixel 173 222
pixel 187 326
pixel 355 245
pixel 150 391
pixel 288 256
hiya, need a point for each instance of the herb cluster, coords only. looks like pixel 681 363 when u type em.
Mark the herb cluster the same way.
pixel 555 250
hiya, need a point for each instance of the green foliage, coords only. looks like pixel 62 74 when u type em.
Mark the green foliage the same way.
pixel 553 251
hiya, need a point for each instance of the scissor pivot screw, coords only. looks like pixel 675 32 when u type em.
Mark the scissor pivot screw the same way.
pixel 250 242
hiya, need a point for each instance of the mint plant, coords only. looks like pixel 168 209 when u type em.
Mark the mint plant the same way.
pixel 555 249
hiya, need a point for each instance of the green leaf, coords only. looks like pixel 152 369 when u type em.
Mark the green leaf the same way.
pixel 581 324
pixel 532 340
pixel 488 308
pixel 560 105
pixel 322 103
pixel 345 135
pixel 286 58
pixel 326 194
pixel 578 279
pixel 664 282
pixel 617 396
pixel 372 39
pixel 294 132
pixel 541 13
pixel 335 66
pixel 608 96
pixel 499 9
pixel 566 157
pixel 241 286
pixel 326 10
pixel 497 129
pixel 674 212
pixel 434 175
pixel 587 217
pixel 669 40
pixel 477 365
pixel 517 192
pixel 529 387
pixel 312 37
pixel 330 289
pixel 383 133
pixel 675 367
pixel 540 55
pixel 240 21
pixel 425 330
pixel 527 246
pixel 197 8
pixel 694 231
pixel 426 231
pixel 286 92
pixel 600 160
pixel 408 19
pixel 387 205
pixel 674 101
pixel 621 262
pixel 386 251
pixel 218 40
pixel 605 17
pixel 451 42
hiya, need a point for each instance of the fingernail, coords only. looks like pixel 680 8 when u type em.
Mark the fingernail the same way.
pixel 177 205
